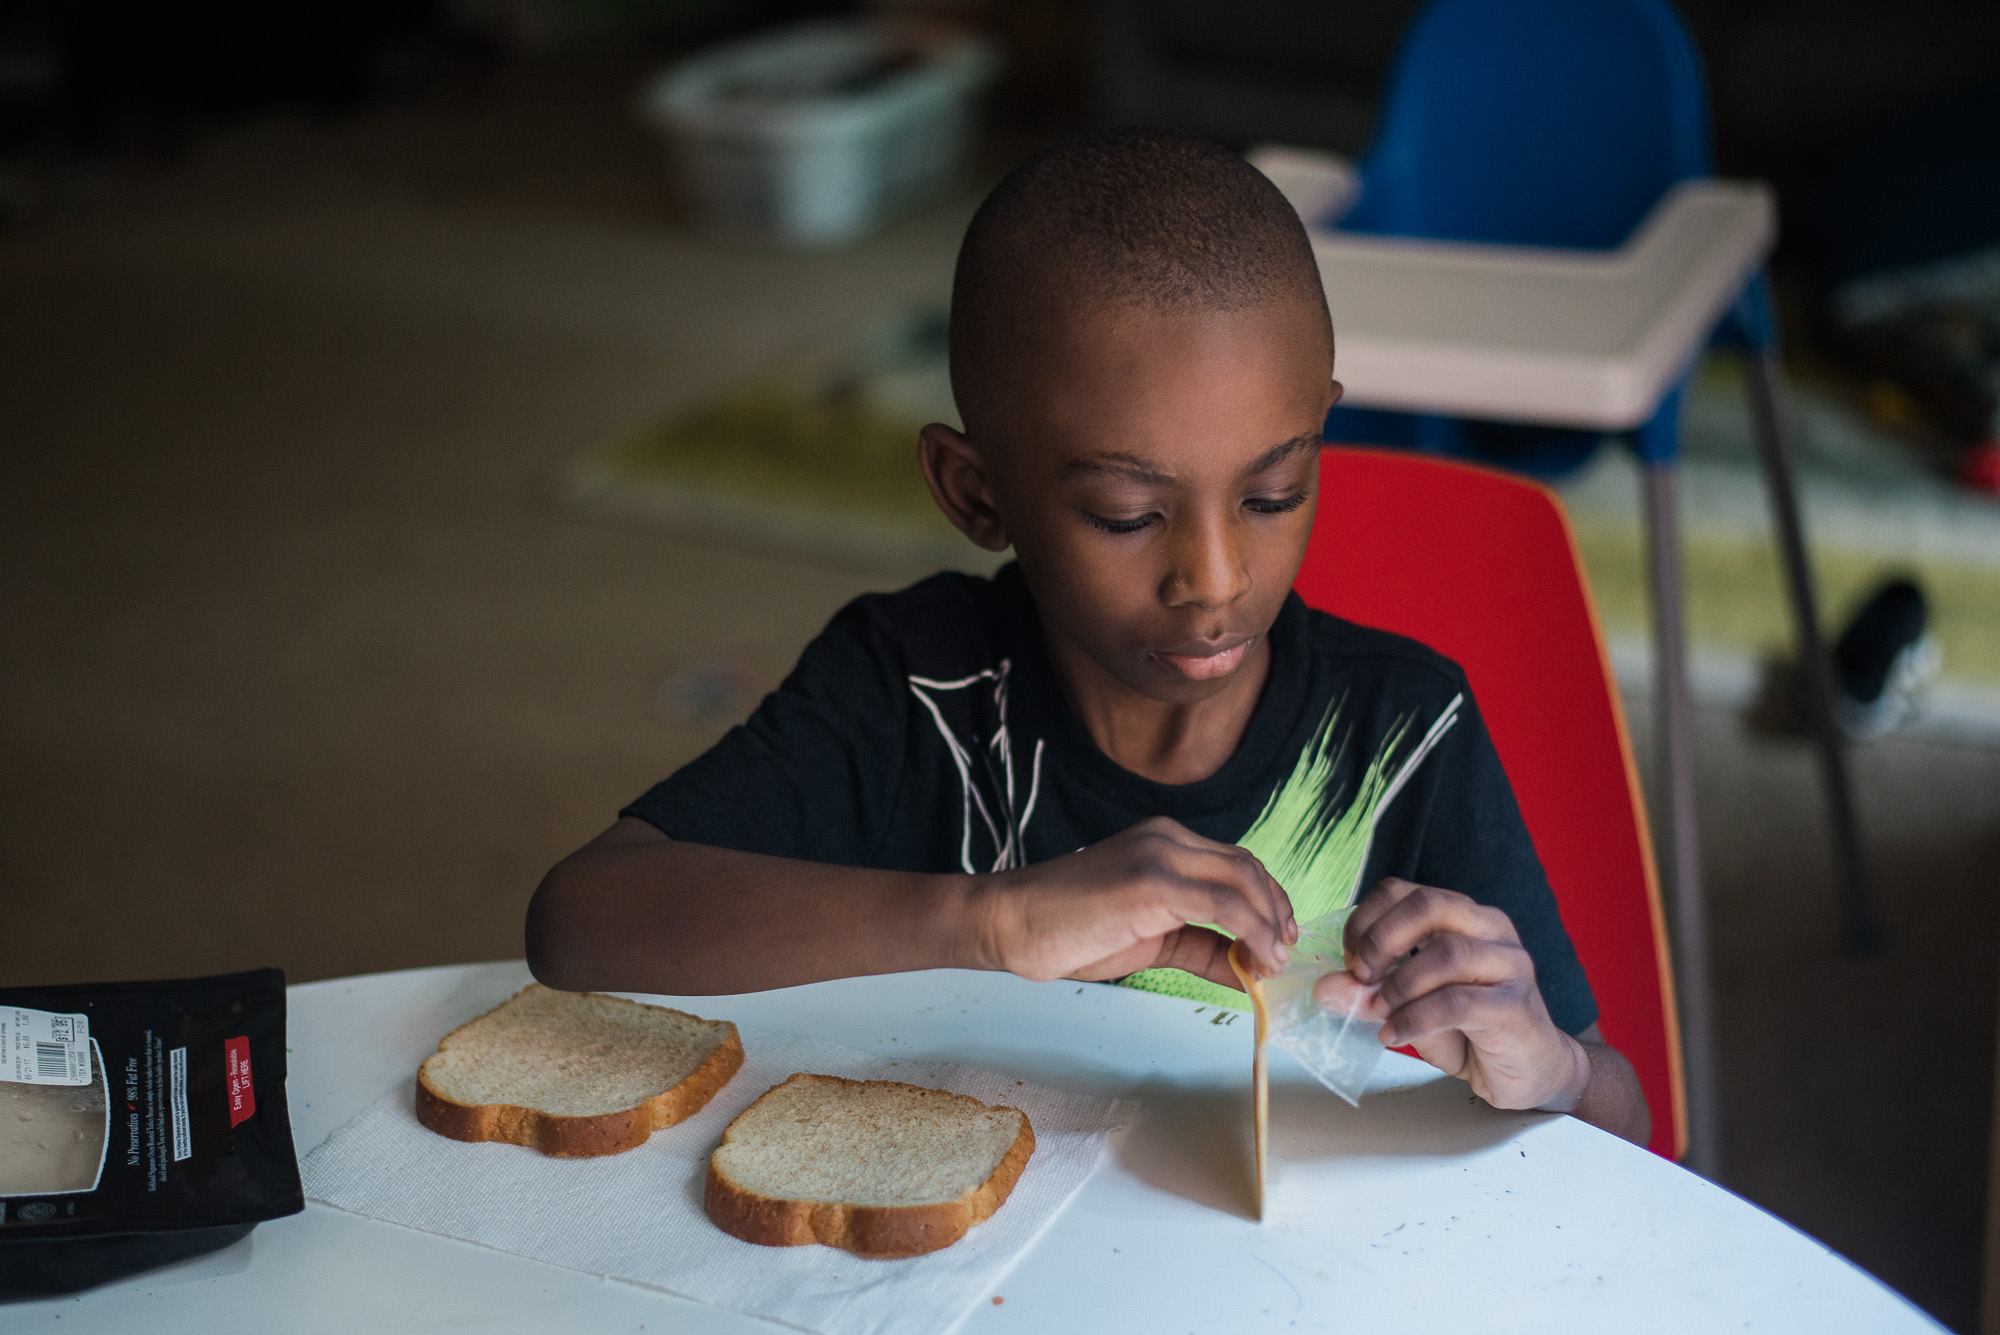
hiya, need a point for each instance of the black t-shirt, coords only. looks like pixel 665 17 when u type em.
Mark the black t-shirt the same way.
pixel 925 731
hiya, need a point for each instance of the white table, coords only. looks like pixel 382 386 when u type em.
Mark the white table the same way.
pixel 1423 1210
pixel 1522 334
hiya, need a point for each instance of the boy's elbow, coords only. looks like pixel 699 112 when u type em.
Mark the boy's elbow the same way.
pixel 551 932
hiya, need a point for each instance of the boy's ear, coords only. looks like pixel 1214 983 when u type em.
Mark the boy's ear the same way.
pixel 960 485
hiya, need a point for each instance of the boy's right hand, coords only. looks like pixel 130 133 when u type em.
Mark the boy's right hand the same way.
pixel 1130 903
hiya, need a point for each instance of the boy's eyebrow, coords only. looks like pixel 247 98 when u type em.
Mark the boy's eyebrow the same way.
pixel 1128 466
pixel 1134 469
pixel 1277 454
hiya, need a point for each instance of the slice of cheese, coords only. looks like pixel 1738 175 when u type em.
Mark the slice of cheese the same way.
pixel 53 1138
pixel 1260 1085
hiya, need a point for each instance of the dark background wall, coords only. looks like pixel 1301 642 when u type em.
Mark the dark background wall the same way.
pixel 1793 81
pixel 304 305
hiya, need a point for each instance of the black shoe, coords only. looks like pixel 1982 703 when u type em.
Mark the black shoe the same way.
pixel 1883 659
pixel 1881 662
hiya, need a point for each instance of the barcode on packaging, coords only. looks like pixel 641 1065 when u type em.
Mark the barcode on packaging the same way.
pixel 44 1047
pixel 177 1099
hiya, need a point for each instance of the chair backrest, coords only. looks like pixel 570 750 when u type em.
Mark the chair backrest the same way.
pixel 1480 565
pixel 1534 122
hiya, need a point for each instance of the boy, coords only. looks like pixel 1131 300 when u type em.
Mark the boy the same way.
pixel 1060 770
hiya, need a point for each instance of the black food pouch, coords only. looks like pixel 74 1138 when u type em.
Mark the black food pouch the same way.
pixel 140 1123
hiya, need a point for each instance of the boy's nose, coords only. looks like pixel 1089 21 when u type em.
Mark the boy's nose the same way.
pixel 1208 569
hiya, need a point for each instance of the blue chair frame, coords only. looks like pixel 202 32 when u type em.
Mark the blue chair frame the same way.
pixel 1561 123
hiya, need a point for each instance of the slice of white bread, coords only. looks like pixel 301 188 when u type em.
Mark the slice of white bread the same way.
pixel 574 1074
pixel 872 1166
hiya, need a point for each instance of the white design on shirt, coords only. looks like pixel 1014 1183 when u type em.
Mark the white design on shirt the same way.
pixel 995 802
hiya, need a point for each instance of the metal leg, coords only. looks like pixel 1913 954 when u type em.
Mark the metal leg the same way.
pixel 1863 929
pixel 1989 1287
pixel 1676 746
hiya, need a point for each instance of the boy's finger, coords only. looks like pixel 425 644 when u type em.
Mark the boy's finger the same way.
pixel 1384 895
pixel 1280 903
pixel 1446 1048
pixel 1247 872
pixel 1201 952
pixel 1437 1017
pixel 1255 876
pixel 1419 913
pixel 1449 958
pixel 1338 992
pixel 1242 898
pixel 1180 834
pixel 1237 918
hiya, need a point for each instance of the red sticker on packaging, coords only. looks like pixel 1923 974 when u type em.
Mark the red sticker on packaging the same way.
pixel 236 1065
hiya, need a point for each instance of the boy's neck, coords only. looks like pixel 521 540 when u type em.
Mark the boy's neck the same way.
pixel 1167 743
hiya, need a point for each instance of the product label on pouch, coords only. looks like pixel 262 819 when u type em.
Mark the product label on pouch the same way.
pixel 44 1047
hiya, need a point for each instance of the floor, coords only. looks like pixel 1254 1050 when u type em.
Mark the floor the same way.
pixel 308 664
pixel 1856 1093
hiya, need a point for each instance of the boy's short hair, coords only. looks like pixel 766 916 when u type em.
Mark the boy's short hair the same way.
pixel 1133 216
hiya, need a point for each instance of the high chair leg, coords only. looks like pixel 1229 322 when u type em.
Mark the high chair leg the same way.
pixel 1675 738
pixel 1863 929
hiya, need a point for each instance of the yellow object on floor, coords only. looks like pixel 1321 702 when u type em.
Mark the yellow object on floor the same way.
pixel 819 456
pixel 1735 594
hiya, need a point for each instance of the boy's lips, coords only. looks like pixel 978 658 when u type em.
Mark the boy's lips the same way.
pixel 1205 666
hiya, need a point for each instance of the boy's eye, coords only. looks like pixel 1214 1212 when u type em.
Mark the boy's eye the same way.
pixel 1110 525
pixel 1276 505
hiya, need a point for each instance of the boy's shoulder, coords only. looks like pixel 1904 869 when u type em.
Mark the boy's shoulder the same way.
pixel 946 622
pixel 949 592
pixel 1352 649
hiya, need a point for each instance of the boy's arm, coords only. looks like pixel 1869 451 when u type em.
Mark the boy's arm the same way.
pixel 1467 1001
pixel 636 911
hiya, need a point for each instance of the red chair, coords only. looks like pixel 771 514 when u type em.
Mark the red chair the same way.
pixel 1480 565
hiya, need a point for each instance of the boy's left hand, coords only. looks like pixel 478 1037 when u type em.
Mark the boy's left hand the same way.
pixel 1467 1000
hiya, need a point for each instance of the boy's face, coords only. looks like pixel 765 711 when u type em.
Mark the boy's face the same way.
pixel 1156 473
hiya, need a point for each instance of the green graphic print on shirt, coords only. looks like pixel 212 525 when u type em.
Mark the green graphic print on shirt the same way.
pixel 1314 837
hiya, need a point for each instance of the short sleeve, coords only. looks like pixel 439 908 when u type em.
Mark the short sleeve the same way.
pixel 1474 841
pixel 813 773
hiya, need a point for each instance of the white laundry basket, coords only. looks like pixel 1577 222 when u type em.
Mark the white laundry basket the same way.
pixel 814 134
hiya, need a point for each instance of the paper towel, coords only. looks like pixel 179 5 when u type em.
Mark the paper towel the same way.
pixel 637 1216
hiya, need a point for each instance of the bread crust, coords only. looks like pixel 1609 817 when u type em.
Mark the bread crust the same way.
pixel 867 1230
pixel 578 1137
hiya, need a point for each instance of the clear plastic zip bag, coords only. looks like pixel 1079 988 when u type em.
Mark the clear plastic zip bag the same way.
pixel 1340 1049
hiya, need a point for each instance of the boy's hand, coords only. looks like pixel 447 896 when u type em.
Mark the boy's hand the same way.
pixel 1129 903
pixel 1467 1000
